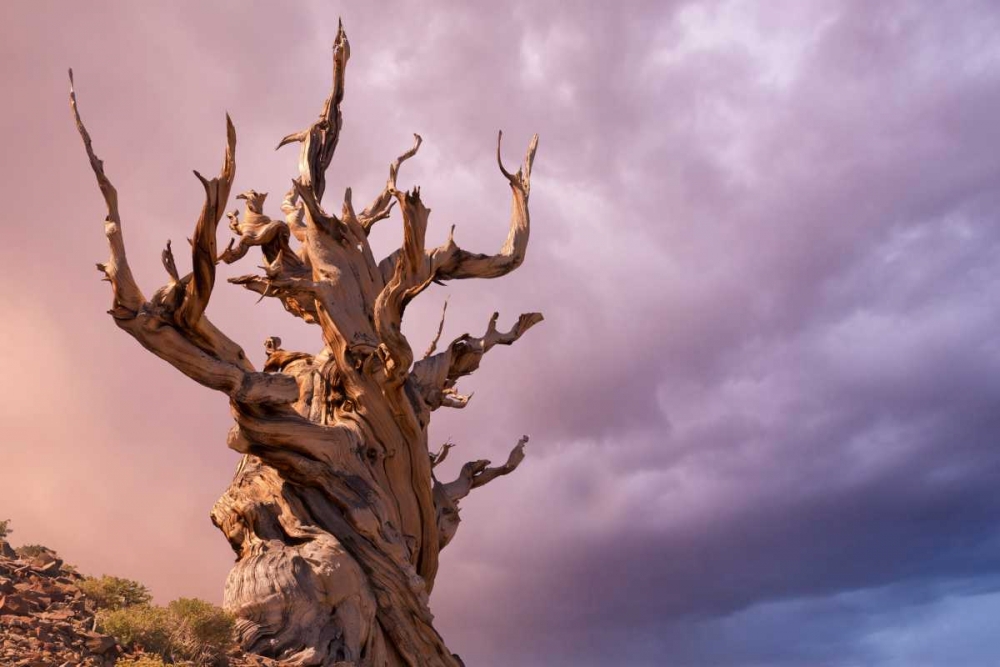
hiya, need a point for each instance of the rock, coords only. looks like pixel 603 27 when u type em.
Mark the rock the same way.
pixel 52 567
pixel 10 604
pixel 59 615
pixel 99 643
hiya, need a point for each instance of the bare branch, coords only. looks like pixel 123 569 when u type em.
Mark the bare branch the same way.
pixel 437 336
pixel 513 460
pixel 168 263
pixel 320 141
pixel 313 212
pixel 296 292
pixel 407 275
pixel 257 229
pixel 434 377
pixel 380 208
pixel 453 263
pixel 450 398
pixel 473 475
pixel 199 290
pixel 477 473
pixel 128 297
pixel 239 381
pixel 467 352
pixel 189 342
pixel 347 210
pixel 410 277
pixel 294 212
pixel 442 454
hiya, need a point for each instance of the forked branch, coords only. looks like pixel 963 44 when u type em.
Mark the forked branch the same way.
pixel 172 325
pixel 434 377
pixel 441 454
pixel 382 206
pixel 466 352
pixel 451 262
pixel 473 475
pixel 411 269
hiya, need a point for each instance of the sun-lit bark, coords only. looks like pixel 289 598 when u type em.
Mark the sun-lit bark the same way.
pixel 334 513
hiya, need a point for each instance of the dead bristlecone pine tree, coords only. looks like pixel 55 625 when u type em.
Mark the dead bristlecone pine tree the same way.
pixel 334 513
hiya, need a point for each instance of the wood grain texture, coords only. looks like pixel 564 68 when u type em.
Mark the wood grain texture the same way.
pixel 334 513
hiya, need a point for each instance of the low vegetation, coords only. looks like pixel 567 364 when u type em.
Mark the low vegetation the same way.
pixel 202 632
pixel 185 630
pixel 114 592
pixel 29 551
pixel 142 661
pixel 188 631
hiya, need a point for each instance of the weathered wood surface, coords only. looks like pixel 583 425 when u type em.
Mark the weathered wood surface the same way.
pixel 335 515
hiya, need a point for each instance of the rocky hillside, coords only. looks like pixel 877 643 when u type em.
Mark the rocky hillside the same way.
pixel 46 620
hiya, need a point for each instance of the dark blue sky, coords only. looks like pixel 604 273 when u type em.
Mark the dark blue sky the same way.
pixel 764 404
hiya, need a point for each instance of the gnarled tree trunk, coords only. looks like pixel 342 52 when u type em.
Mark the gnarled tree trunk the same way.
pixel 334 513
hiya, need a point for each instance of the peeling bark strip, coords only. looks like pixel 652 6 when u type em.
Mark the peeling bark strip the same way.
pixel 335 515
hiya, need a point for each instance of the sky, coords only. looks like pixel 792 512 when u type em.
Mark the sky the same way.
pixel 763 405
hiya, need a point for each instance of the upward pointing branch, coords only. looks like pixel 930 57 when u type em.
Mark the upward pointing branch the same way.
pixel 128 297
pixel 409 278
pixel 411 269
pixel 203 252
pixel 451 262
pixel 172 325
pixel 380 208
pixel 437 336
pixel 319 141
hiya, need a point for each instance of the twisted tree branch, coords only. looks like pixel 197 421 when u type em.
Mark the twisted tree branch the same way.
pixel 434 377
pixel 172 325
pixel 380 208
pixel 473 475
pixel 409 278
pixel 128 298
pixel 203 252
pixel 319 141
pixel 451 262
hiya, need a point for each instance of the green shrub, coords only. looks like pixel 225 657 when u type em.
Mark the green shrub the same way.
pixel 187 629
pixel 115 592
pixel 141 661
pixel 143 626
pixel 29 551
pixel 5 529
pixel 202 631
